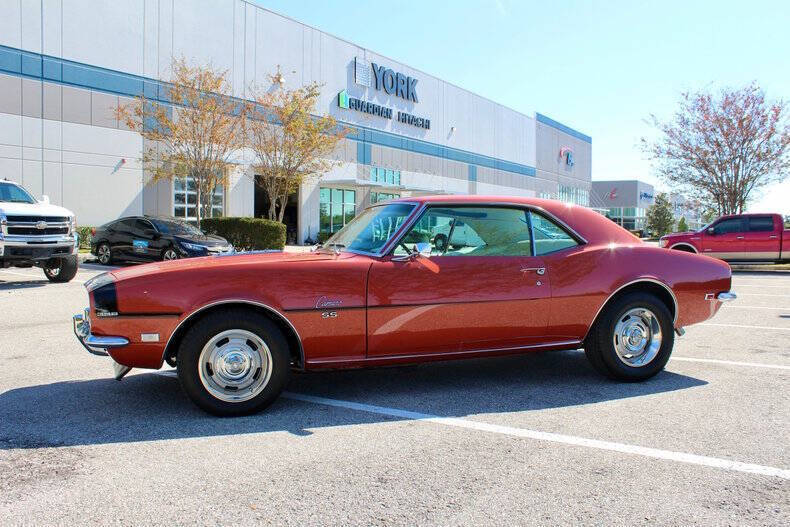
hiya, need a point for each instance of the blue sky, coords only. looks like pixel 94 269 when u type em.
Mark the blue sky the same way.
pixel 601 67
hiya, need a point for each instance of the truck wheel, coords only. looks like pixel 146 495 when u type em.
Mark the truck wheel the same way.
pixel 61 269
pixel 632 339
pixel 233 362
pixel 104 253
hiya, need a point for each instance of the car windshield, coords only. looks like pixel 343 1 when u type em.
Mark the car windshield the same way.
pixel 370 231
pixel 176 227
pixel 14 194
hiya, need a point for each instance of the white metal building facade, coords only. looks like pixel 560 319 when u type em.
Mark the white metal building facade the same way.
pixel 65 64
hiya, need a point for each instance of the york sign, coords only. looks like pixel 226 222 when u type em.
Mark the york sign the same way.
pixel 386 79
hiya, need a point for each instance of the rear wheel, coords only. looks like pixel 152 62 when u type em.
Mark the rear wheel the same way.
pixel 61 269
pixel 632 339
pixel 234 362
pixel 104 254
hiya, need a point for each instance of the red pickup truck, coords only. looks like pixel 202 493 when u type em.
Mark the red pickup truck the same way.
pixel 742 238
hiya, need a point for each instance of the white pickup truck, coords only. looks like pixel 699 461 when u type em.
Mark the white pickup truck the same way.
pixel 35 233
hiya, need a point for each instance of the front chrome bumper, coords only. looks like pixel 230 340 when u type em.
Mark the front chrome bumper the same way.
pixel 96 345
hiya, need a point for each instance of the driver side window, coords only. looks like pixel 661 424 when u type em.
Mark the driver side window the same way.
pixel 470 231
pixel 727 226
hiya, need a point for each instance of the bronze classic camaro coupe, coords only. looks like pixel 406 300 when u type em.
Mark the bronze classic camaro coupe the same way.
pixel 412 280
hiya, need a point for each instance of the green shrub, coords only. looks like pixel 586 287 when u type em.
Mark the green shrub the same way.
pixel 85 237
pixel 247 233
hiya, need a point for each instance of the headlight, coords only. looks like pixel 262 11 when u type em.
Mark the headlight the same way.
pixel 192 246
pixel 98 281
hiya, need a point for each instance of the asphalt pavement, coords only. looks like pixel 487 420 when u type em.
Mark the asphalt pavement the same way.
pixel 534 439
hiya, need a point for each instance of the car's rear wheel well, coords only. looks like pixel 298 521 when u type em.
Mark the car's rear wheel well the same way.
pixel 654 288
pixel 294 343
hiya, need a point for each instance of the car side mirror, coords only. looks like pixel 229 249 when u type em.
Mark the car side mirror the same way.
pixel 712 231
pixel 422 249
pixel 44 199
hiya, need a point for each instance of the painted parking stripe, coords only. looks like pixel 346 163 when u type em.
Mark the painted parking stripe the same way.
pixel 731 363
pixel 623 448
pixel 27 275
pixel 731 306
pixel 711 324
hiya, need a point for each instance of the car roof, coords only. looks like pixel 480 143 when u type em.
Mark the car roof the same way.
pixel 586 223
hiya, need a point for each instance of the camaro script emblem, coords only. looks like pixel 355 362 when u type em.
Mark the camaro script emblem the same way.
pixel 323 302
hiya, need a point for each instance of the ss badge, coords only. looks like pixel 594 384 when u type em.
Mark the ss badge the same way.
pixel 329 314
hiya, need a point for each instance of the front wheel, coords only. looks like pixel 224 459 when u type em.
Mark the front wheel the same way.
pixel 169 254
pixel 632 339
pixel 234 362
pixel 61 269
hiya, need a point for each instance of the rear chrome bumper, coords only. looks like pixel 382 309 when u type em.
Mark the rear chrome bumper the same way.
pixel 726 296
pixel 97 345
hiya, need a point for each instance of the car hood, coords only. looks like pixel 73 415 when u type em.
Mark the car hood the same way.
pixel 209 240
pixel 224 262
pixel 33 209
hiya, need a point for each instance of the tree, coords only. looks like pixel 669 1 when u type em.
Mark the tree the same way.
pixel 290 143
pixel 719 148
pixel 194 134
pixel 682 225
pixel 659 216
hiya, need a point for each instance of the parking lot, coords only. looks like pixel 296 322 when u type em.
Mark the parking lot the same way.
pixel 539 438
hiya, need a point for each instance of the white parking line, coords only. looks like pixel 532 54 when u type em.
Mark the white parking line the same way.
pixel 624 448
pixel 741 326
pixel 731 363
pixel 736 306
pixel 762 294
pixel 28 275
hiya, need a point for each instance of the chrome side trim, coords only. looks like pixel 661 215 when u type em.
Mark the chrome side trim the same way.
pixel 693 249
pixel 548 345
pixel 632 282
pixel 236 301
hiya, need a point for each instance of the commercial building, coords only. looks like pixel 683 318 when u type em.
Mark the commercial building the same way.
pixel 64 66
pixel 625 202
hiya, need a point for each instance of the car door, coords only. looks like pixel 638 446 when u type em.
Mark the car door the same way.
pixel 482 290
pixel 725 239
pixel 761 241
pixel 144 240
pixel 121 238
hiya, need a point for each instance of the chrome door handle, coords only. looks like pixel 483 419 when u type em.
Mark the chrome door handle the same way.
pixel 539 270
pixel 772 237
pixel 739 237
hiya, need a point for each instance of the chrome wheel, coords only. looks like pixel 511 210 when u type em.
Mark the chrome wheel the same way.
pixel 170 254
pixel 637 337
pixel 52 272
pixel 235 365
pixel 103 254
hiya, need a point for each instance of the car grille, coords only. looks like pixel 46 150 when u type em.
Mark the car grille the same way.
pixel 34 219
pixel 33 231
pixel 37 226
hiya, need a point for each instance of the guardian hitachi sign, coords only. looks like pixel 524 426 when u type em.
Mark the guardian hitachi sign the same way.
pixel 382 78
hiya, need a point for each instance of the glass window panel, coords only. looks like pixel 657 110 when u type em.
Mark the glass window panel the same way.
pixel 179 198
pixel 348 213
pixel 349 196
pixel 178 183
pixel 337 217
pixel 472 231
pixel 325 195
pixel 549 237
pixel 337 195
pixel 323 213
